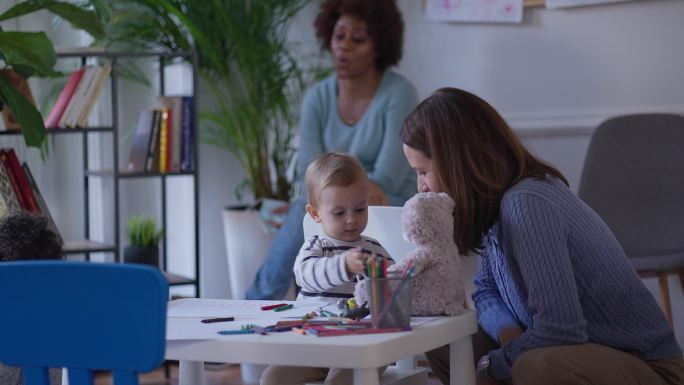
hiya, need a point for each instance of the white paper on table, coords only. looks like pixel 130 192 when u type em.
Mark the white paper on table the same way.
pixel 210 308
pixel 554 4
pixel 190 328
pixel 193 329
pixel 506 11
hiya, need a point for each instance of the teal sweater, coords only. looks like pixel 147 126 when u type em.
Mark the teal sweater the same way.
pixel 374 139
pixel 551 265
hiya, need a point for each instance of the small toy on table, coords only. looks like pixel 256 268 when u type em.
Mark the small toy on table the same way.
pixel 352 310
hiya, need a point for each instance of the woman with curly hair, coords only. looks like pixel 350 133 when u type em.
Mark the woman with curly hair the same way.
pixel 358 110
pixel 27 236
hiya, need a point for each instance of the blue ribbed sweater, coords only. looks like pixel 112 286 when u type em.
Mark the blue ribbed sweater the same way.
pixel 551 265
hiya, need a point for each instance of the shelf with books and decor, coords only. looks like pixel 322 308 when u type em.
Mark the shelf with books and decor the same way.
pixel 164 145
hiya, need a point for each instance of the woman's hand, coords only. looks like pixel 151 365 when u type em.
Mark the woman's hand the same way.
pixel 376 197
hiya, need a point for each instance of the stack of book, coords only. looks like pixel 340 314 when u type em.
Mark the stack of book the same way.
pixel 78 97
pixel 164 137
pixel 18 188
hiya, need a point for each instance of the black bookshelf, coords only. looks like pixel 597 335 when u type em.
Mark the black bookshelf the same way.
pixel 86 246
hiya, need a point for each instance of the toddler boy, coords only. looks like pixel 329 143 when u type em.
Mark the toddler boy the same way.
pixel 329 263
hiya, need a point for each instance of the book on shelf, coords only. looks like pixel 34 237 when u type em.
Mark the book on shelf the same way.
pixel 138 157
pixel 152 162
pixel 22 85
pixel 42 206
pixel 167 134
pixel 7 193
pixel 23 188
pixel 63 100
pixel 92 93
pixel 164 142
pixel 187 134
pixel 175 105
pixel 77 97
pixel 12 179
pixel 8 198
pixel 87 90
pixel 18 188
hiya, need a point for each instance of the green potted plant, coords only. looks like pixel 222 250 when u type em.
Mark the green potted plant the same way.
pixel 32 54
pixel 247 65
pixel 143 241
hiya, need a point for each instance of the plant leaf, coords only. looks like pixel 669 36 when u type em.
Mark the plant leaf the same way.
pixel 78 17
pixel 26 114
pixel 102 9
pixel 23 71
pixel 30 49
pixel 22 8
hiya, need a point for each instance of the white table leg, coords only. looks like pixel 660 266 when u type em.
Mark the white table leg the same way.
pixel 461 368
pixel 366 377
pixel 408 363
pixel 191 373
pixel 65 376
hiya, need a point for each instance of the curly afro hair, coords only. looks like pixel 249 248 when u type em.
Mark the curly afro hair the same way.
pixel 24 235
pixel 385 26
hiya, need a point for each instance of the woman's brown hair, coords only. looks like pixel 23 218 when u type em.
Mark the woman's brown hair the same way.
pixel 385 26
pixel 476 156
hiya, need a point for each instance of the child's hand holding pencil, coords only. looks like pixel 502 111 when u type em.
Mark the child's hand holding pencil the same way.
pixel 355 261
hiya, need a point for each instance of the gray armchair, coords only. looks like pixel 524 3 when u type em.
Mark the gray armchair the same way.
pixel 633 177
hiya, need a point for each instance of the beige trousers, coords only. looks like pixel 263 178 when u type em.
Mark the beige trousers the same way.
pixel 585 364
pixel 295 375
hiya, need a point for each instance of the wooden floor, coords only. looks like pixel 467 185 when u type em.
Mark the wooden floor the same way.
pixel 225 374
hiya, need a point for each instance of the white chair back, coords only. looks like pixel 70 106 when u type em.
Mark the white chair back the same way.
pixel 384 224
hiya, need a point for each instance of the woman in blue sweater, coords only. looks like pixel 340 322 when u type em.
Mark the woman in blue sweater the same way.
pixel 555 294
pixel 357 110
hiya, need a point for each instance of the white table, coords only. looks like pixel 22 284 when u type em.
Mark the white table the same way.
pixel 362 353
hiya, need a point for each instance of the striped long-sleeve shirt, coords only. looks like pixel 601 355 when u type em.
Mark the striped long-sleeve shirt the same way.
pixel 320 268
pixel 553 267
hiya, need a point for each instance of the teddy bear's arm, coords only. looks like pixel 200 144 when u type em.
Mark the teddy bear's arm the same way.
pixel 419 262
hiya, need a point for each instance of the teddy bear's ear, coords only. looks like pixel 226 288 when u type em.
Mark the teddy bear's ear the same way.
pixel 445 201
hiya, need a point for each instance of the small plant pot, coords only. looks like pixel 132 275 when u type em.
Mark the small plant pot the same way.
pixel 144 255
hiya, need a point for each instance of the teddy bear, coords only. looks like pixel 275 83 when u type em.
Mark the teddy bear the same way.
pixel 427 222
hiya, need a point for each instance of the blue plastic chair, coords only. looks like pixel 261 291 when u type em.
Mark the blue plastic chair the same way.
pixel 82 316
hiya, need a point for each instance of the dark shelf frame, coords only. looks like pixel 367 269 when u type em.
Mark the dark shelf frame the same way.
pixel 116 174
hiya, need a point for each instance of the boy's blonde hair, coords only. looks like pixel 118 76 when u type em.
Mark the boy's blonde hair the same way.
pixel 332 169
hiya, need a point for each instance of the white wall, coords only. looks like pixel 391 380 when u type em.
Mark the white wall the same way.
pixel 559 74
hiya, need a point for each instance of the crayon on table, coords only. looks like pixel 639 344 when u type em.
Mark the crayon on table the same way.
pixel 222 319
pixel 239 331
pixel 271 307
pixel 285 307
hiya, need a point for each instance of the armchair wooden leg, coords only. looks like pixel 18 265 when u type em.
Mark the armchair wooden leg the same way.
pixel 665 295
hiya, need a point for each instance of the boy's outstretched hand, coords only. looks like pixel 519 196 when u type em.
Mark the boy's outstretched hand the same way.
pixel 355 261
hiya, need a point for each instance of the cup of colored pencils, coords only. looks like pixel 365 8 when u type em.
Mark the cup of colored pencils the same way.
pixel 390 297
